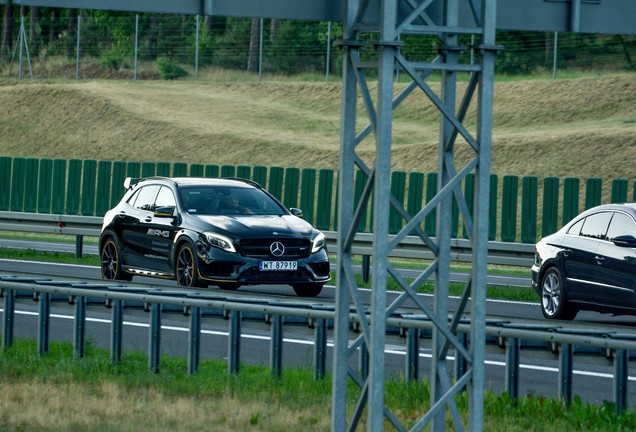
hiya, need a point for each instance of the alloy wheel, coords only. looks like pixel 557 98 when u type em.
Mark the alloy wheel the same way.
pixel 551 293
pixel 185 267
pixel 110 260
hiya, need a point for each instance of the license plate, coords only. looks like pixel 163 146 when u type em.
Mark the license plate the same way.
pixel 278 265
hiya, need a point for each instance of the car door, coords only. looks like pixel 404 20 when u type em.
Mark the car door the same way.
pixel 615 262
pixel 579 251
pixel 133 224
pixel 160 228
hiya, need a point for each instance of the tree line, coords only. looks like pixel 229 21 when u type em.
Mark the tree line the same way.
pixel 288 47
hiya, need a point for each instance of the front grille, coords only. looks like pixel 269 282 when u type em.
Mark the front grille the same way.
pixel 260 248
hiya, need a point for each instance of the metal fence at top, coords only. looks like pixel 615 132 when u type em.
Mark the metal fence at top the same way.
pixel 47 43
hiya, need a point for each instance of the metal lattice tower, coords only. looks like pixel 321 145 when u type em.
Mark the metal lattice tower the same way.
pixel 424 17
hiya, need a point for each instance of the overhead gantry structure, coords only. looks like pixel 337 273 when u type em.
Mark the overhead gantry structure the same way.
pixel 382 24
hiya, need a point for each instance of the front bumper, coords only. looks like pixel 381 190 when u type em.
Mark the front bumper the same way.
pixel 535 274
pixel 218 266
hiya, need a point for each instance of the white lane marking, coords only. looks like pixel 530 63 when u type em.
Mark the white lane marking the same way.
pixel 393 351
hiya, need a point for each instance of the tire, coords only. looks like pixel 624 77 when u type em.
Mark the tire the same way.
pixel 307 290
pixel 111 264
pixel 554 301
pixel 187 269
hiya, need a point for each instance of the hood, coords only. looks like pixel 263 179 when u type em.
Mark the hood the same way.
pixel 256 225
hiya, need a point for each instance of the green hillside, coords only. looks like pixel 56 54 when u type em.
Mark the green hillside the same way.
pixel 582 127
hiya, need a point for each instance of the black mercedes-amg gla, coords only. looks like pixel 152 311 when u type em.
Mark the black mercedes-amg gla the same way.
pixel 202 231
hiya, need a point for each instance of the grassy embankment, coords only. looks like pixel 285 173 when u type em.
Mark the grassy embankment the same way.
pixel 579 127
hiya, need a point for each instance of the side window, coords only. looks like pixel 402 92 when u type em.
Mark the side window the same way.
pixel 595 225
pixel 131 201
pixel 165 198
pixel 576 228
pixel 144 198
pixel 621 224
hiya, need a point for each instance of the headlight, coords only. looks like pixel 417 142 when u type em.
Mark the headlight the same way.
pixel 220 241
pixel 318 243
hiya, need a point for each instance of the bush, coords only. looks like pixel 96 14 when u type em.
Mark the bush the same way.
pixel 169 70
pixel 111 61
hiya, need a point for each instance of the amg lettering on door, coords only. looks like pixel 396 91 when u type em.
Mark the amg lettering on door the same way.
pixel 158 233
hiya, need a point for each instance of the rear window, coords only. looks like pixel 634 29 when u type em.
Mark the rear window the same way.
pixel 621 225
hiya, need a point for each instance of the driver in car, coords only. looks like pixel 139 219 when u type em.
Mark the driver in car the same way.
pixel 231 204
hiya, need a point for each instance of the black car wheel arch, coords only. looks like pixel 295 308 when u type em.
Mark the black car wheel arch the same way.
pixel 554 301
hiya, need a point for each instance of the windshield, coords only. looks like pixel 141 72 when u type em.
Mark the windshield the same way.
pixel 228 200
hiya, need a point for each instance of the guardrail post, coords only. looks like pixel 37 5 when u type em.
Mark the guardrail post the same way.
pixel 320 348
pixel 366 265
pixel 117 324
pixel 8 318
pixel 461 365
pixel 79 330
pixel 620 379
pixel 412 354
pixel 565 373
pixel 79 246
pixel 276 351
pixel 512 368
pixel 194 343
pixel 154 338
pixel 44 321
pixel 363 361
pixel 234 342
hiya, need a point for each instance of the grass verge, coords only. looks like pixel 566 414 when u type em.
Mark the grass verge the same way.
pixel 58 392
pixel 60 257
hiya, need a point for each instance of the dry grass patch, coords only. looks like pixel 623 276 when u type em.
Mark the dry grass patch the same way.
pixel 108 406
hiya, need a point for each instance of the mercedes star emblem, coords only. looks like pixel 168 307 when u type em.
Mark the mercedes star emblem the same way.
pixel 277 249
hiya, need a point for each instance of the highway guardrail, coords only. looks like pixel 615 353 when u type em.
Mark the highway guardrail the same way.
pixel 411 247
pixel 199 306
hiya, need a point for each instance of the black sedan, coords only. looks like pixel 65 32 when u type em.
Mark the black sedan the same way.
pixel 200 231
pixel 589 264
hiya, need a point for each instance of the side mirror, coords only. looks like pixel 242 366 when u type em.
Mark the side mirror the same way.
pixel 165 212
pixel 296 212
pixel 625 241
